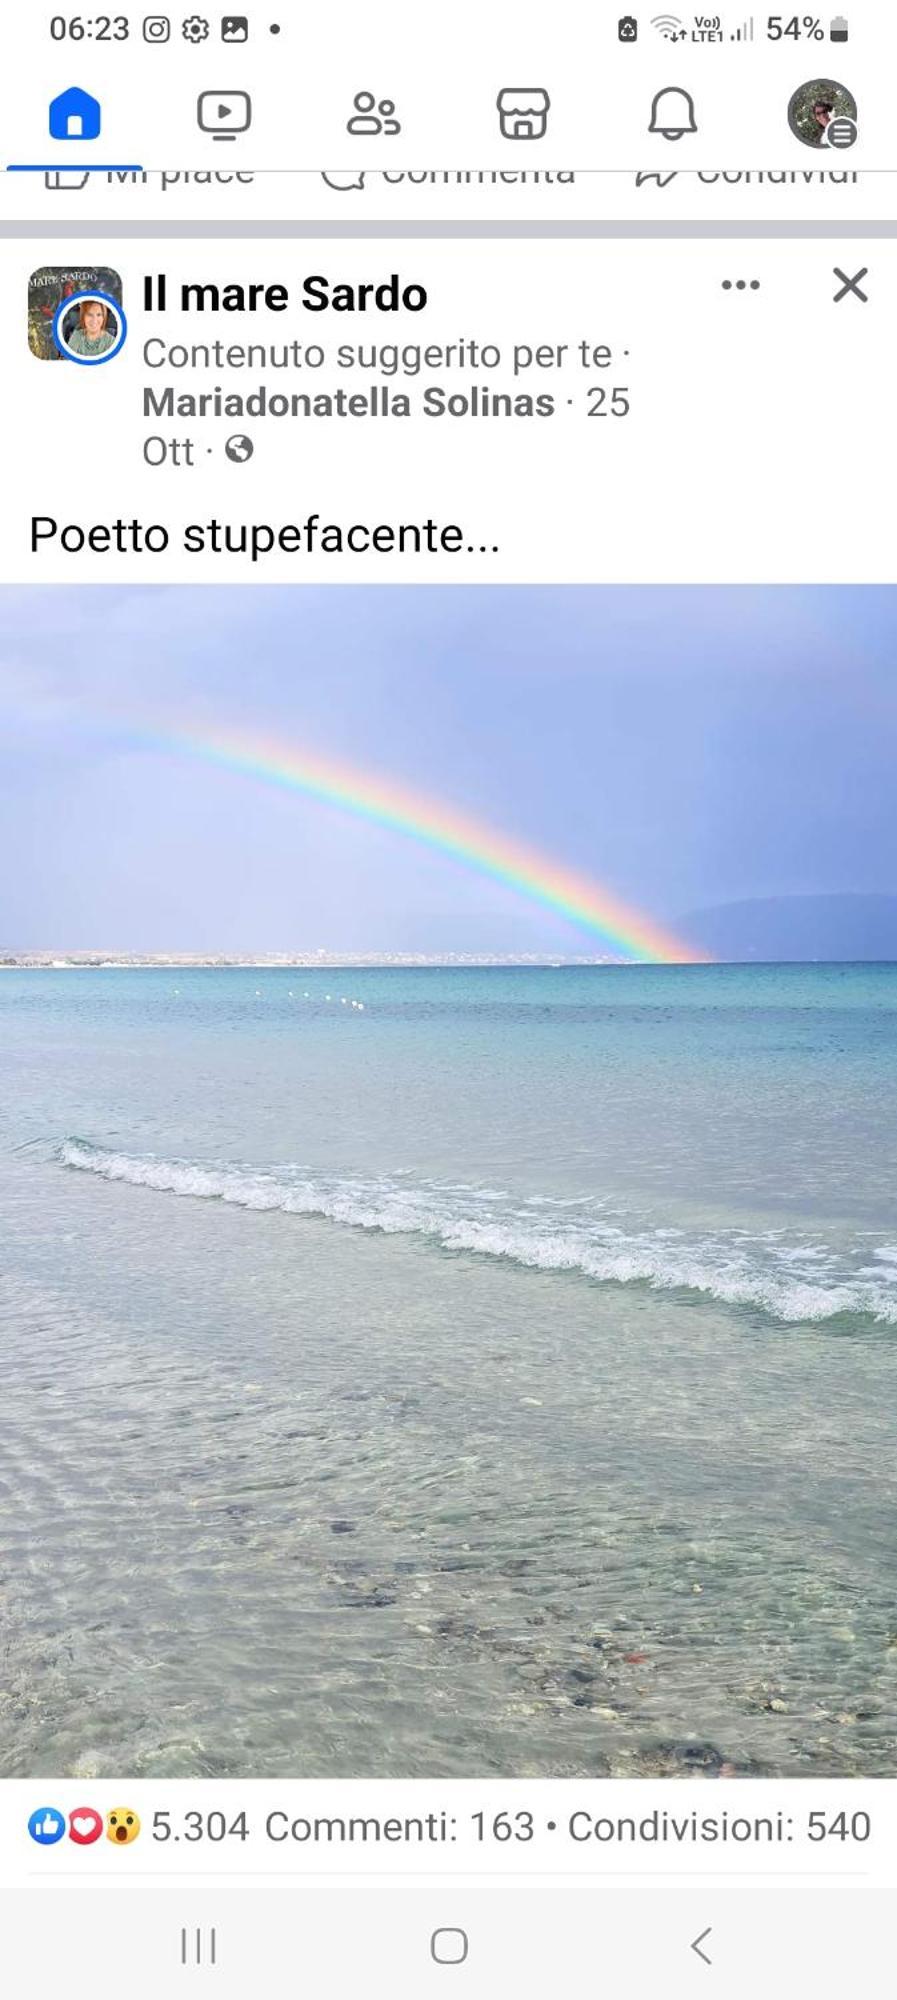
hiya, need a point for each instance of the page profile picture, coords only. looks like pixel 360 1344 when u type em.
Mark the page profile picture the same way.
pixel 89 328
pixel 75 313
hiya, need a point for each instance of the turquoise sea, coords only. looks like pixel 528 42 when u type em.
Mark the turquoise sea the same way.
pixel 495 1375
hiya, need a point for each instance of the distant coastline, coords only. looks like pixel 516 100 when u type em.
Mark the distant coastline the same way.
pixel 108 961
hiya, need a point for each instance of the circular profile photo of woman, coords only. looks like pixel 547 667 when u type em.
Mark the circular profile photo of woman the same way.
pixel 89 327
pixel 821 111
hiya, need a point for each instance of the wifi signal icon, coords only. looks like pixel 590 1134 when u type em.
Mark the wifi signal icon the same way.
pixel 670 26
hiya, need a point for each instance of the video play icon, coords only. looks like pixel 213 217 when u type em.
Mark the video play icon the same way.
pixel 224 113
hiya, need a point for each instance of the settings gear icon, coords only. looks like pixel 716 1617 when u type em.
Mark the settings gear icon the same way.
pixel 195 29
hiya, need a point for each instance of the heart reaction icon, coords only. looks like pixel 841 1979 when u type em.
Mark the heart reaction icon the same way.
pixel 85 1826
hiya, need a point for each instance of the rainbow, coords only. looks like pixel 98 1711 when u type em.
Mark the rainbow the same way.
pixel 385 803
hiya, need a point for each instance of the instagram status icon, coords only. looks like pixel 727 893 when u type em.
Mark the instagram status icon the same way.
pixel 157 28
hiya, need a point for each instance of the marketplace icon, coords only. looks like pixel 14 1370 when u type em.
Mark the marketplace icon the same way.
pixel 523 114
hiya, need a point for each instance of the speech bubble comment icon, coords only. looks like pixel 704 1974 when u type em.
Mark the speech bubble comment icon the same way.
pixel 343 183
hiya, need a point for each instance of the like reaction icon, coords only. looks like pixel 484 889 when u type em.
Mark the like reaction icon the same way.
pixel 46 1826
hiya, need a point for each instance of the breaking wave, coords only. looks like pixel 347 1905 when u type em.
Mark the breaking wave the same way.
pixel 792 1281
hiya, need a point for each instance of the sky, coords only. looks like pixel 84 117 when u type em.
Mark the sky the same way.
pixel 684 747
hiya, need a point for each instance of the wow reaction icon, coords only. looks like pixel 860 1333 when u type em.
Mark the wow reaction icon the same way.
pixel 122 1826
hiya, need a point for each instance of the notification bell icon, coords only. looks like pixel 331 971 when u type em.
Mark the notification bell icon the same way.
pixel 673 114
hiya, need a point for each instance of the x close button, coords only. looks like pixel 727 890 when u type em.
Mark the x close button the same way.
pixel 850 287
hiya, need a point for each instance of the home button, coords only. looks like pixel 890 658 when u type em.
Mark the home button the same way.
pixel 449 1947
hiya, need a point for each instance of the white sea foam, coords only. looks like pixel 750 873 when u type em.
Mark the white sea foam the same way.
pixel 792 1281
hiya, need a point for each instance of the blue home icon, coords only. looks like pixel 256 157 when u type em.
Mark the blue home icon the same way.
pixel 75 115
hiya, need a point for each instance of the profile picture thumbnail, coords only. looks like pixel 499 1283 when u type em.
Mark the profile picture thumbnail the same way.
pixel 75 313
pixel 816 112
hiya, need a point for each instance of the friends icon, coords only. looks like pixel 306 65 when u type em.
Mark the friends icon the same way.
pixel 371 120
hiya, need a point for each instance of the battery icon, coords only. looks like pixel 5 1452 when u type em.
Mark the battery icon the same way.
pixel 839 28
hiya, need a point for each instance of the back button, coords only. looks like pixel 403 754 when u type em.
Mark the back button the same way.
pixel 697 1945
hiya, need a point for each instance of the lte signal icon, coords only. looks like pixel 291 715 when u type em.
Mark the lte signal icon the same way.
pixel 627 28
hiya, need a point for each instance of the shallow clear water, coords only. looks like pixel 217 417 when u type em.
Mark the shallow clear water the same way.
pixel 497 1376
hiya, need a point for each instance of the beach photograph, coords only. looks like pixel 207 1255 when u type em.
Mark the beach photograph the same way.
pixel 448 1181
